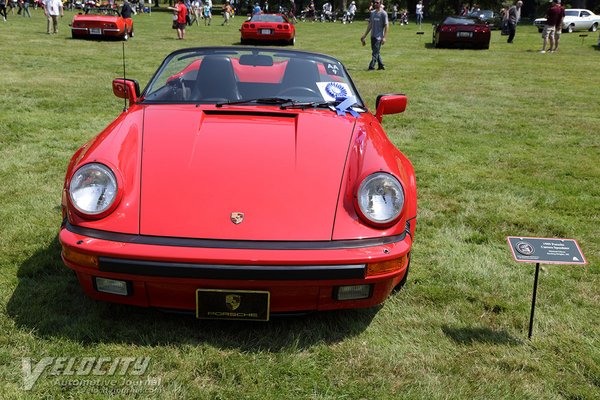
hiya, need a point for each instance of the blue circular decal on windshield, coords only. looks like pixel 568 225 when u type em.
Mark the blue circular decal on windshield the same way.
pixel 336 90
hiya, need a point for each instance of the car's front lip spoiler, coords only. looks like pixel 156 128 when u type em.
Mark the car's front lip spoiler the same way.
pixel 234 244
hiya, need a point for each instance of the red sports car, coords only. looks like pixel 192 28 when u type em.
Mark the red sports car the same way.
pixel 100 23
pixel 461 31
pixel 242 182
pixel 268 28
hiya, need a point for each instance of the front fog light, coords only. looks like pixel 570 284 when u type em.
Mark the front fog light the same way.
pixel 112 286
pixel 354 292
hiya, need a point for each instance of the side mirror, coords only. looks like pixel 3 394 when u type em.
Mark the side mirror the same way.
pixel 126 89
pixel 389 104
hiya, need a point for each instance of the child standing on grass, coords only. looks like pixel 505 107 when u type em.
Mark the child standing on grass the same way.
pixel 206 12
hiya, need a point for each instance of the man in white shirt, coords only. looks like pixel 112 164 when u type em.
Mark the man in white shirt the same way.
pixel 52 9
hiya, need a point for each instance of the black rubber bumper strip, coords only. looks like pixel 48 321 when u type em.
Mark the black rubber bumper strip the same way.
pixel 235 244
pixel 231 272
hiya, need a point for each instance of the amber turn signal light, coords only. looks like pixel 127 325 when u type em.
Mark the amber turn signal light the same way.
pixel 75 257
pixel 385 267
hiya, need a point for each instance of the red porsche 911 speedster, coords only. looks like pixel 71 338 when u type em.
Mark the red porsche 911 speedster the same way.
pixel 268 28
pixel 242 182
pixel 462 31
pixel 101 23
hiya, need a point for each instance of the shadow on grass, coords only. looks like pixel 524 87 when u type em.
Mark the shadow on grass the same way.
pixel 468 335
pixel 49 302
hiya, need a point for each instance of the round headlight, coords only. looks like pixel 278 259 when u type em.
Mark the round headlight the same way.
pixel 93 189
pixel 380 198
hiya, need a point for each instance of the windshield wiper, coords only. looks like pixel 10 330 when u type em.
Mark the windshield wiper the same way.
pixel 261 100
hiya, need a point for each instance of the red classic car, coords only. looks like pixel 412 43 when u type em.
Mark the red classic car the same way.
pixel 270 28
pixel 100 23
pixel 242 182
pixel 462 31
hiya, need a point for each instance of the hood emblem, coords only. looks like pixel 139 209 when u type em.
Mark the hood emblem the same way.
pixel 237 217
pixel 233 301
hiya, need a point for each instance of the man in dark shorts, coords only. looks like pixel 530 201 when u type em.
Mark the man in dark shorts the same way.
pixel 180 19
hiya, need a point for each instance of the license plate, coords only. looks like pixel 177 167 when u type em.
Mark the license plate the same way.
pixel 464 34
pixel 95 31
pixel 246 305
pixel 266 31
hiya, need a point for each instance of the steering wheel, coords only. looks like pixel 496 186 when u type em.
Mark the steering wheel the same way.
pixel 298 91
pixel 178 84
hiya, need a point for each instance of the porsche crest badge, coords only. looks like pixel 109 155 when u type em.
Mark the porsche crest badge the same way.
pixel 237 217
pixel 233 301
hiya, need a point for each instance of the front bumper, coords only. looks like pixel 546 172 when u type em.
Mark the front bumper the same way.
pixel 300 276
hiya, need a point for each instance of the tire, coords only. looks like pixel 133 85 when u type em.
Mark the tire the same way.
pixel 293 41
pixel 243 41
pixel 570 28
pixel 126 36
pixel 594 27
pixel 131 34
pixel 540 30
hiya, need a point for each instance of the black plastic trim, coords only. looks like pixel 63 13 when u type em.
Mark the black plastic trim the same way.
pixel 232 272
pixel 234 244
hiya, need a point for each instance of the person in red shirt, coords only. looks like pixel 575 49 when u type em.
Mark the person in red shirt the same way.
pixel 558 29
pixel 554 17
pixel 179 18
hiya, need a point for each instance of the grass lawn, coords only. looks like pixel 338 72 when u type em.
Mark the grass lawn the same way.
pixel 504 142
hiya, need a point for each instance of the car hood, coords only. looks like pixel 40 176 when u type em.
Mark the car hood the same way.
pixel 241 173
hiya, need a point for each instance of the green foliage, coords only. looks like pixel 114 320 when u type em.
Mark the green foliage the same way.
pixel 504 142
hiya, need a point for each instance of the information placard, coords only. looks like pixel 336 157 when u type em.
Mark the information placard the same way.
pixel 545 250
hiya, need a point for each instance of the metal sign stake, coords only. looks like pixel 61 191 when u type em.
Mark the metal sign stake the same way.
pixel 535 285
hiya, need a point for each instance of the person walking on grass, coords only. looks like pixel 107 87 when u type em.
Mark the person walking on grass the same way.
pixel 227 11
pixel 419 12
pixel 196 11
pixel 206 12
pixel 558 28
pixel 25 9
pixel 3 9
pixel 513 17
pixel 554 17
pixel 181 11
pixel 52 9
pixel 378 26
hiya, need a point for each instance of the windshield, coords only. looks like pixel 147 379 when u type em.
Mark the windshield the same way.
pixel 267 18
pixel 102 11
pixel 483 14
pixel 238 74
pixel 462 21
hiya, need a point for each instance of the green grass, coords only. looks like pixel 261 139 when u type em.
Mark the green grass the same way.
pixel 504 142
